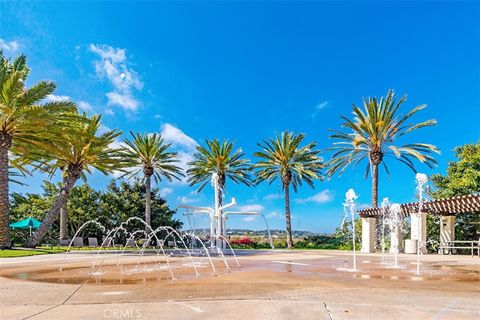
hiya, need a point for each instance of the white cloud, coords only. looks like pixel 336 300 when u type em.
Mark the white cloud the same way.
pixel 187 199
pixel 158 116
pixel 183 159
pixel 10 46
pixel 165 191
pixel 55 98
pixel 177 137
pixel 181 143
pixel 273 196
pixel 109 111
pixel 249 218
pixel 251 207
pixel 85 106
pixel 274 214
pixel 321 197
pixel 322 105
pixel 125 100
pixel 113 66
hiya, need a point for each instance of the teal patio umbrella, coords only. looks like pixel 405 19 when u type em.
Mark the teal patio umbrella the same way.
pixel 28 223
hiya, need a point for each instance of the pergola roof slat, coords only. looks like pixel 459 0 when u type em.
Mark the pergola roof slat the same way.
pixel 445 206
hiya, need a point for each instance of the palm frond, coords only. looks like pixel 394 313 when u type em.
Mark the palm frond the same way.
pixel 373 131
pixel 283 158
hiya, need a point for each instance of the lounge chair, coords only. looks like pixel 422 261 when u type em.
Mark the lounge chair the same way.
pixel 107 242
pixel 78 242
pixel 130 243
pixel 64 242
pixel 92 242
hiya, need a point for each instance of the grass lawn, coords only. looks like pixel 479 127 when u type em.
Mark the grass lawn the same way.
pixel 11 253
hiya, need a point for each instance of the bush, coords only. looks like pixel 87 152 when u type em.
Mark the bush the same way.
pixel 323 241
pixel 244 242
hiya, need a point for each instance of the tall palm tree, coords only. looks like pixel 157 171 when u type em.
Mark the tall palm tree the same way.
pixel 373 135
pixel 24 119
pixel 150 155
pixel 283 158
pixel 79 151
pixel 218 158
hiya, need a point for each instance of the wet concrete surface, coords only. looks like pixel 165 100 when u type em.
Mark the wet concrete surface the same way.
pixel 266 285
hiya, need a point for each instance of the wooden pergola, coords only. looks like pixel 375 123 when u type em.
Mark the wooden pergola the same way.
pixel 443 207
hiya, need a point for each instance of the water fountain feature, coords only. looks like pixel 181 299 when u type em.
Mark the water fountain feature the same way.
pixel 394 221
pixel 95 222
pixel 349 209
pixel 169 245
pixel 385 212
pixel 218 218
pixel 421 180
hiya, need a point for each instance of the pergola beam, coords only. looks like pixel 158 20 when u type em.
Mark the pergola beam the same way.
pixel 442 207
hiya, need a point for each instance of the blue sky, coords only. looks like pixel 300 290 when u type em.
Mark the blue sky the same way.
pixel 247 70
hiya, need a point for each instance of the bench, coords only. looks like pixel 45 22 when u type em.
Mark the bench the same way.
pixel 453 245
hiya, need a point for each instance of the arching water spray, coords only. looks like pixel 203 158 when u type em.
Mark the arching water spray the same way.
pixel 268 230
pixel 394 222
pixel 75 235
pixel 422 181
pixel 385 212
pixel 350 197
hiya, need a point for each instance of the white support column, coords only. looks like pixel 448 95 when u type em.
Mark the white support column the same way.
pixel 368 235
pixel 418 229
pixel 447 230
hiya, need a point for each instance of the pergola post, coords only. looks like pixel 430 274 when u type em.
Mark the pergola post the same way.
pixel 447 230
pixel 368 234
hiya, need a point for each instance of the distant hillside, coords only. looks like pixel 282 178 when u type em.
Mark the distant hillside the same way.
pixel 274 232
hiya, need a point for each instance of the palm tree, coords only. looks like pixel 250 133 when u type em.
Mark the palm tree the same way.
pixel 24 119
pixel 220 159
pixel 283 158
pixel 150 155
pixel 374 132
pixel 79 150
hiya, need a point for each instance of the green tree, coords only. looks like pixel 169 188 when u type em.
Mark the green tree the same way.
pixel 283 158
pixel 79 151
pixel 124 200
pixel 462 178
pixel 218 158
pixel 374 130
pixel 150 155
pixel 29 205
pixel 24 120
pixel 110 207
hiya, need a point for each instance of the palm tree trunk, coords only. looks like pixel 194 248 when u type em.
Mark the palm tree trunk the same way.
pixel 148 202
pixel 60 202
pixel 63 220
pixel 374 185
pixel 287 216
pixel 4 210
